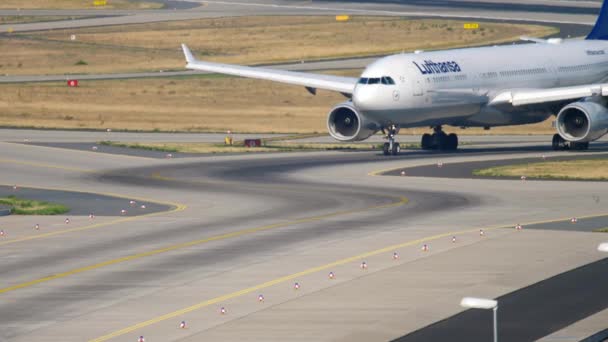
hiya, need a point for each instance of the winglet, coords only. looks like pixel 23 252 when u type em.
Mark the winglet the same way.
pixel 188 54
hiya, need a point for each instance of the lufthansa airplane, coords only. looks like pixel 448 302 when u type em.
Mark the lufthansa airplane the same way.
pixel 473 87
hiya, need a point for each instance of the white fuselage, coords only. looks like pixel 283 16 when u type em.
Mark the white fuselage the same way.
pixel 453 86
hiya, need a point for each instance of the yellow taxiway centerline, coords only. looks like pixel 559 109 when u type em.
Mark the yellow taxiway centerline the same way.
pixel 294 276
pixel 402 201
pixel 276 281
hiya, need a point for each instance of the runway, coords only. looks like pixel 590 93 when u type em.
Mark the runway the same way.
pixel 264 222
pixel 316 246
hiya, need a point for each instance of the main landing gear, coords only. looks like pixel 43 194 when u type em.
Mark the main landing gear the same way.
pixel 439 140
pixel 391 147
pixel 559 144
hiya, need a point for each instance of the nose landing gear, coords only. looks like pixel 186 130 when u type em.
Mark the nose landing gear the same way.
pixel 439 140
pixel 391 147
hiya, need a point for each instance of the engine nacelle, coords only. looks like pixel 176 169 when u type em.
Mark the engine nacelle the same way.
pixel 346 123
pixel 582 121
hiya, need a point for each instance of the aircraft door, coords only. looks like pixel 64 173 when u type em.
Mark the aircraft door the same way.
pixel 417 87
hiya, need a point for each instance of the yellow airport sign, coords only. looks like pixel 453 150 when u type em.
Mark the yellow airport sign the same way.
pixel 471 26
pixel 342 17
pixel 100 2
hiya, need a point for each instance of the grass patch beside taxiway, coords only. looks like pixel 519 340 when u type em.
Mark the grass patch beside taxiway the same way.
pixel 31 207
pixel 582 169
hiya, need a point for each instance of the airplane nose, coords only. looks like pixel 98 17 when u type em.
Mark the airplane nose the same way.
pixel 363 98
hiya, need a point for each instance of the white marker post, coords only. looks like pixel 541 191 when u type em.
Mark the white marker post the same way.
pixel 486 304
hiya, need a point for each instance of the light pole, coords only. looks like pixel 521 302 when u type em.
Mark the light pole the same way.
pixel 603 247
pixel 481 303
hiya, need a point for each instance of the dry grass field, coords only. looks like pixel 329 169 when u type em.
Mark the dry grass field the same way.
pixel 249 40
pixel 211 103
pixel 76 4
pixel 195 104
pixel 596 169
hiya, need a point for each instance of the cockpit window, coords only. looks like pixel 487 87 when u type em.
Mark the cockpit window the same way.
pixel 386 80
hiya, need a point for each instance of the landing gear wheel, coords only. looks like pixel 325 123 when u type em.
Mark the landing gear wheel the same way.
pixel 391 147
pixel 579 146
pixel 558 143
pixel 396 149
pixel 427 142
pixel 439 140
pixel 452 142
pixel 385 149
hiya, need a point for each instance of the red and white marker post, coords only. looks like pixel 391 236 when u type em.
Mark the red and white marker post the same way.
pixel 331 275
pixel 518 227
pixel 141 339
pixel 573 220
pixel 37 226
pixel 363 265
pixel 296 286
pixel 67 220
pixel 453 239
pixel 481 232
pixel 260 298
pixel 2 233
pixel 425 248
pixel 182 325
pixel 395 256
pixel 222 310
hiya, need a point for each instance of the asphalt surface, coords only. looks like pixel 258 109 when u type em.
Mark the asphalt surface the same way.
pixel 83 204
pixel 244 225
pixel 233 195
pixel 529 313
pixel 479 5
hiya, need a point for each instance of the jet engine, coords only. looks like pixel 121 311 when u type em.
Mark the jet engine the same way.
pixel 582 121
pixel 346 123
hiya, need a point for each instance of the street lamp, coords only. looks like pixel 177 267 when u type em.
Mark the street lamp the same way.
pixel 603 247
pixel 481 303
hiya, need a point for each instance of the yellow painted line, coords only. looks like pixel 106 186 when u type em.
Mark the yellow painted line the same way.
pixel 273 282
pixel 402 201
pixel 176 207
pixel 295 276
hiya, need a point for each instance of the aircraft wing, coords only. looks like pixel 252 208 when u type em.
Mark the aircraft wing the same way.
pixel 344 85
pixel 522 97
